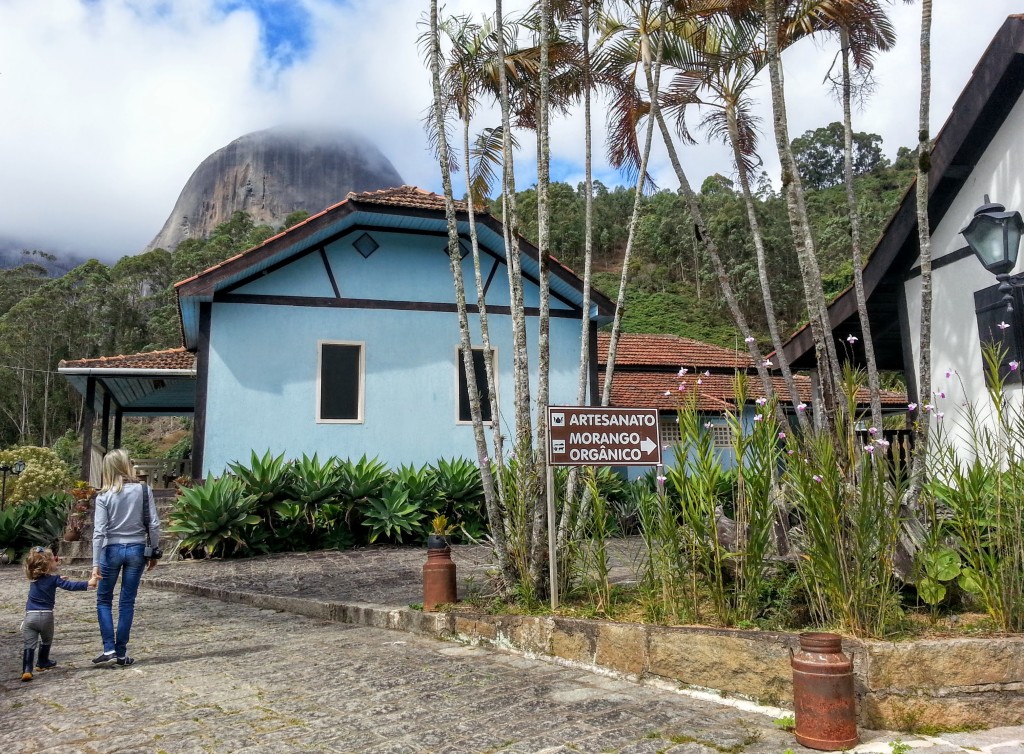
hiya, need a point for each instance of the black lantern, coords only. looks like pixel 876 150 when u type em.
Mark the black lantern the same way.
pixel 16 468
pixel 994 236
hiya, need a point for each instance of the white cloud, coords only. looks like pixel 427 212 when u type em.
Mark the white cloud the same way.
pixel 109 105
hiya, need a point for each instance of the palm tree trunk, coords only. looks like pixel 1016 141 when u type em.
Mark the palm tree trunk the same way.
pixel 821 330
pixel 455 257
pixel 760 363
pixel 485 336
pixel 538 553
pixel 924 370
pixel 569 504
pixel 868 340
pixel 762 274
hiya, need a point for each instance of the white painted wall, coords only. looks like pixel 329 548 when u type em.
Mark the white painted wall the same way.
pixel 956 345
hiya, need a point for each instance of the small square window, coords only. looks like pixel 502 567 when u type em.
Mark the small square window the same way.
pixel 365 245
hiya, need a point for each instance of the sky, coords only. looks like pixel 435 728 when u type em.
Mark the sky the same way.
pixel 107 106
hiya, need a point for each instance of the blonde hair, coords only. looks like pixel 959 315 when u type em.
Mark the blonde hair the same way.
pixel 117 469
pixel 39 562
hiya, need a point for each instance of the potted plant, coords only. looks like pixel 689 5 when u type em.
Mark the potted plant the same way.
pixel 440 531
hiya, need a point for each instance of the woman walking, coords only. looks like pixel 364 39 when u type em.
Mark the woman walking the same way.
pixel 118 550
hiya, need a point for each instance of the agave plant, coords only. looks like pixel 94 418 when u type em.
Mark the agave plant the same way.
pixel 209 517
pixel 47 517
pixel 268 479
pixel 393 515
pixel 460 487
pixel 362 481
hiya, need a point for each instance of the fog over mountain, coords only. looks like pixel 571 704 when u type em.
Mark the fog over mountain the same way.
pixel 272 173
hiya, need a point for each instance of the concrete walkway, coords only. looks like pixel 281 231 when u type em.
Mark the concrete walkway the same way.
pixel 225 676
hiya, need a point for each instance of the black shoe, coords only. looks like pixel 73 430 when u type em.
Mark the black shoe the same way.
pixel 104 659
pixel 44 662
pixel 126 660
pixel 28 657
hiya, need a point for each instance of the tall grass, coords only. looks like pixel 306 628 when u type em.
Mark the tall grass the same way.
pixel 976 498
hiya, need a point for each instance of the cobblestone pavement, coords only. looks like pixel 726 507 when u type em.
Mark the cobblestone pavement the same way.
pixel 225 678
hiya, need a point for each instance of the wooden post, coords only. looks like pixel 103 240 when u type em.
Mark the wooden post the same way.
pixel 88 419
pixel 105 423
pixel 118 416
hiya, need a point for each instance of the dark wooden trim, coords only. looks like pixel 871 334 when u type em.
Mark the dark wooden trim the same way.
pixel 491 274
pixel 88 419
pixel 979 112
pixel 595 389
pixel 202 385
pixel 118 416
pixel 909 363
pixel 938 264
pixel 105 421
pixel 366 303
pixel 330 272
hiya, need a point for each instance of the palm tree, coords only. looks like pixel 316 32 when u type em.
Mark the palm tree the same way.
pixel 455 257
pixel 735 125
pixel 863 29
pixel 821 330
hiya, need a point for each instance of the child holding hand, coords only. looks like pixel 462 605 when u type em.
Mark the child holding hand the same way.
pixel 41 571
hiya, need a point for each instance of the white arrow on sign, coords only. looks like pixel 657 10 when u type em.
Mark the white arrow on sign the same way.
pixel 648 445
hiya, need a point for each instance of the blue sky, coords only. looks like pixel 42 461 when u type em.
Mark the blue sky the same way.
pixel 109 105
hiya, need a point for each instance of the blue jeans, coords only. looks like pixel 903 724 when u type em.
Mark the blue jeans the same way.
pixel 129 562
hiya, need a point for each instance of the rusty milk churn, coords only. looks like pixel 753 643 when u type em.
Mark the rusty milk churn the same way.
pixel 826 710
pixel 438 574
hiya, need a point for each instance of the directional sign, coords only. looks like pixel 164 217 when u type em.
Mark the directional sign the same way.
pixel 595 436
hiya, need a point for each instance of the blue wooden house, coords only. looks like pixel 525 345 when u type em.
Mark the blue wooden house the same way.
pixel 340 337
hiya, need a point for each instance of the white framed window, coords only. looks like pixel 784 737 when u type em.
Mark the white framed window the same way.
pixel 462 409
pixel 340 371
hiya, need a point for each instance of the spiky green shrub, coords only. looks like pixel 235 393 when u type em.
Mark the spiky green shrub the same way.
pixel 47 517
pixel 213 518
pixel 461 493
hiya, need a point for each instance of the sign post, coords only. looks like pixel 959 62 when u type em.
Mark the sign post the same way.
pixel 595 436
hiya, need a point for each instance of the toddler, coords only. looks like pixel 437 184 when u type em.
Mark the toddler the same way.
pixel 41 570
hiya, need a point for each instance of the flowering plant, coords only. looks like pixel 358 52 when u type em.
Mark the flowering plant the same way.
pixel 81 510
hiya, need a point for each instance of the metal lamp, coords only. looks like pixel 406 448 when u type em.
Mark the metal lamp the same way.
pixel 16 468
pixel 994 236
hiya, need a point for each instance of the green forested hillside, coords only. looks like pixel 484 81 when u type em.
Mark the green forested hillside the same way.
pixel 97 309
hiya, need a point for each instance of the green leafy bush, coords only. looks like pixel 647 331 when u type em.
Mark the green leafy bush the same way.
pixel 212 519
pixel 44 473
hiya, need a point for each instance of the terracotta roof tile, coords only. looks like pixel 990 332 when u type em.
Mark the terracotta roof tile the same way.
pixel 407 196
pixel 631 389
pixel 172 358
pixel 670 351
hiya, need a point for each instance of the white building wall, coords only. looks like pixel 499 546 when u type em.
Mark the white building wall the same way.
pixel 956 345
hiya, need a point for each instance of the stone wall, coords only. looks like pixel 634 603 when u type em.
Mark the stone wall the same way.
pixel 947 683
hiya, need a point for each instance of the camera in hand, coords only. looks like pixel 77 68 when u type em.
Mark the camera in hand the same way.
pixel 153 553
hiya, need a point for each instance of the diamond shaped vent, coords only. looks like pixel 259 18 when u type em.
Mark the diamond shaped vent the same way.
pixel 365 245
pixel 463 249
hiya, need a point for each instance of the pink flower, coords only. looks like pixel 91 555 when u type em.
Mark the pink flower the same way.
pixel 939 415
pixel 817 478
pixel 911 407
pixel 782 435
pixel 700 381
pixel 883 442
pixel 707 373
pixel 1014 365
pixel 869 448
pixel 1002 325
pixel 872 431
pixel 851 339
pixel 789 452
pixel 761 401
pixel 749 339
pixel 708 425
pixel 682 372
pixel 682 386
pixel 661 479
pixel 767 362
pixel 758 418
pixel 801 407
pixel 927 407
pixel 949 373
